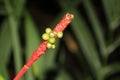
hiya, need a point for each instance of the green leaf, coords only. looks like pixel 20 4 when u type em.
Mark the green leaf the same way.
pixel 5 43
pixel 32 42
pixel 112 9
pixel 14 36
pixel 63 75
pixel 96 25
pixel 19 7
pixel 84 37
pixel 87 43
pixel 108 70
pixel 5 48
pixel 113 45
pixel 2 9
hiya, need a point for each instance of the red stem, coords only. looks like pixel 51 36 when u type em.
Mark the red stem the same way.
pixel 60 27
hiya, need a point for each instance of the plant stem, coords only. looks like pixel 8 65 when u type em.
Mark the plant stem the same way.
pixel 60 27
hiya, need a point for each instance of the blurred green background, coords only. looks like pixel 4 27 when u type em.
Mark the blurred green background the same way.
pixel 89 50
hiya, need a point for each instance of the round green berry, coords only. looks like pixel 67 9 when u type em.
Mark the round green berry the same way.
pixel 60 34
pixel 53 46
pixel 52 34
pixel 49 45
pixel 48 30
pixel 45 36
pixel 51 40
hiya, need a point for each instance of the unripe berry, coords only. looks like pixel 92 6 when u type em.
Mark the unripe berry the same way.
pixel 52 34
pixel 49 45
pixel 51 40
pixel 45 36
pixel 53 46
pixel 60 34
pixel 48 30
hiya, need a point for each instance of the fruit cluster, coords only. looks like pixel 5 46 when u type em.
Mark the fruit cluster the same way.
pixel 51 37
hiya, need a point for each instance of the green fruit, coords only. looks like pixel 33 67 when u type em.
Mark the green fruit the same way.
pixel 45 36
pixel 52 34
pixel 49 45
pixel 51 40
pixel 60 34
pixel 48 30
pixel 53 46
